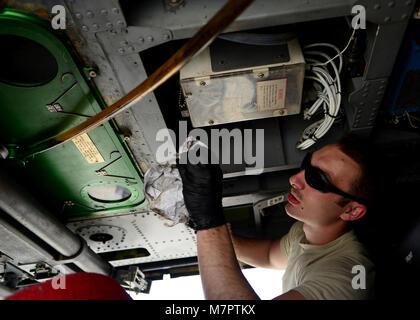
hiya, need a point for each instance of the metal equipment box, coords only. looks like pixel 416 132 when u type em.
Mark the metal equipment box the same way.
pixel 231 82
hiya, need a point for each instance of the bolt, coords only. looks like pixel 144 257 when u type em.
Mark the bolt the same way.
pixel 92 74
pixel 127 138
pixel 211 122
pixel 202 83
pixel 174 3
pixel 260 75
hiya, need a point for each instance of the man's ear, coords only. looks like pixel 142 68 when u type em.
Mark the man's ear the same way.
pixel 353 211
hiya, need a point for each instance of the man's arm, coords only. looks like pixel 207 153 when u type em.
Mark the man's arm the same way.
pixel 220 273
pixel 260 252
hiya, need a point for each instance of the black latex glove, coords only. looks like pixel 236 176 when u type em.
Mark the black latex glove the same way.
pixel 202 190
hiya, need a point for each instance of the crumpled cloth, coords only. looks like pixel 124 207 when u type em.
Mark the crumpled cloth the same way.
pixel 163 188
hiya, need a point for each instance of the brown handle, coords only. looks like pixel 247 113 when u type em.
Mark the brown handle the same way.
pixel 201 40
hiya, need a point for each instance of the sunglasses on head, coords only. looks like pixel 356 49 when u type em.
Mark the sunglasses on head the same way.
pixel 317 179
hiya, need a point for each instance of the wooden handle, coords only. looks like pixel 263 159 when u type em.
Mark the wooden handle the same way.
pixel 201 40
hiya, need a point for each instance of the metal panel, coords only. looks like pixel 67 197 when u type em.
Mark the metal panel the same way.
pixel 109 44
pixel 143 230
pixel 184 20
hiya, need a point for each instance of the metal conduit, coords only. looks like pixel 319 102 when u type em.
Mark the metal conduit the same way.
pixel 16 202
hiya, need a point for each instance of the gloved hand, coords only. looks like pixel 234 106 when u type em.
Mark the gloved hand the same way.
pixel 202 190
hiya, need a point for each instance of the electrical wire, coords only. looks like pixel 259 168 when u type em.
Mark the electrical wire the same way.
pixel 329 93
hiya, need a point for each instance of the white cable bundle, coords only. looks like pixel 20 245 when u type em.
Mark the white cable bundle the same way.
pixel 329 97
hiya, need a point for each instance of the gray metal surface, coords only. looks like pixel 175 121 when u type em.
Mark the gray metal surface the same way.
pixel 191 16
pixel 105 41
pixel 17 203
pixel 143 230
pixel 5 292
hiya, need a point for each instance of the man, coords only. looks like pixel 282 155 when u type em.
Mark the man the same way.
pixel 320 252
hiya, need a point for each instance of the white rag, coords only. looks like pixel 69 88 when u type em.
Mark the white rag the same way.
pixel 163 188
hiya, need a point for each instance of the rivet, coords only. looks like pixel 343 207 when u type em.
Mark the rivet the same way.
pixel 141 39
pixel 124 43
pixel 166 36
pixel 387 19
pixel 85 28
pixel 104 12
pixel 404 16
pixel 120 23
pixel 409 2
pixel 109 25
pixel 377 6
pixel 95 26
pixel 115 10
pixel 78 15
pixel 391 4
pixel 150 38
pixel 211 122
pixel 260 75
pixel 89 14
pixel 202 83
pixel 121 50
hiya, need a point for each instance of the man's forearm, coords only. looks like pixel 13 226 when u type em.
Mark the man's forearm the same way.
pixel 220 273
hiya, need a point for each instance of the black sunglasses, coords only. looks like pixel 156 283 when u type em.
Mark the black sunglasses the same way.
pixel 317 179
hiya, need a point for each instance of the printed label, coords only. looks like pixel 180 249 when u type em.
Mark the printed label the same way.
pixel 271 94
pixel 88 149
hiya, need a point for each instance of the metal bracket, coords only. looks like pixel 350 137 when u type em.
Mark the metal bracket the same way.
pixel 265 203
pixel 133 279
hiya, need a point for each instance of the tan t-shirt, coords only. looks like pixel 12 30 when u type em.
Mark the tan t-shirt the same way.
pixel 338 270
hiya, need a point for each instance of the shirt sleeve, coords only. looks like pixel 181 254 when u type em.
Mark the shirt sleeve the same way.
pixel 288 239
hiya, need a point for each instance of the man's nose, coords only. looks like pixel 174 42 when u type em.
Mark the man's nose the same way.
pixel 297 181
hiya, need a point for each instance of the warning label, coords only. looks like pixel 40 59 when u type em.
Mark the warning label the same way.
pixel 271 94
pixel 88 149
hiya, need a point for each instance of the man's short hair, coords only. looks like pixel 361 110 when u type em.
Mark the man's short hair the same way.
pixel 362 152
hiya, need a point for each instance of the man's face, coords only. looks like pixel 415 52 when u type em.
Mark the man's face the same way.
pixel 314 207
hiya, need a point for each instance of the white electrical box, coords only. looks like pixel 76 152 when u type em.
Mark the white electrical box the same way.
pixel 220 86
